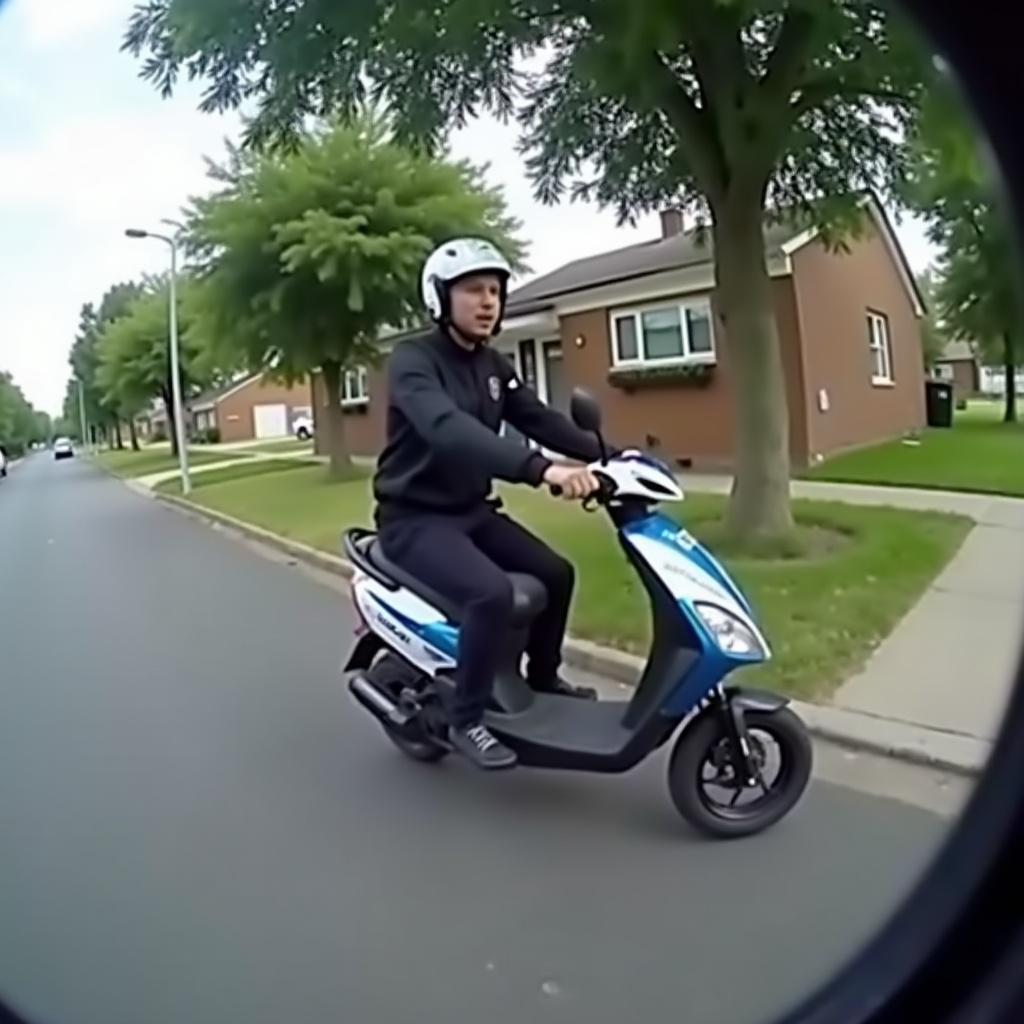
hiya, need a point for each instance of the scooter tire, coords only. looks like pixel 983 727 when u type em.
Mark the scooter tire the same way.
pixel 692 749
pixel 425 751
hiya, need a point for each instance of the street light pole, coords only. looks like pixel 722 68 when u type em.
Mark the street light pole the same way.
pixel 176 403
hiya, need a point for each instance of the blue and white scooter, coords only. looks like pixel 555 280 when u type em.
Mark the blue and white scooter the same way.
pixel 741 759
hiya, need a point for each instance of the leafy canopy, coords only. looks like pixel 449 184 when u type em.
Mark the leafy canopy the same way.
pixel 952 185
pixel 134 352
pixel 634 104
pixel 303 257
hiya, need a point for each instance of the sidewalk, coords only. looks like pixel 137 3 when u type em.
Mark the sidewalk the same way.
pixel 949 665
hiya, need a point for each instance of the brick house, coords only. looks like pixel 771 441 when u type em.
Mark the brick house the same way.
pixel 250 408
pixel 959 365
pixel 639 328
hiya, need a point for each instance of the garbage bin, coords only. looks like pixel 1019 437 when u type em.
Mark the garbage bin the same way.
pixel 939 403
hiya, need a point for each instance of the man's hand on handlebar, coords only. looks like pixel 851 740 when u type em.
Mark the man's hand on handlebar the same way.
pixel 571 482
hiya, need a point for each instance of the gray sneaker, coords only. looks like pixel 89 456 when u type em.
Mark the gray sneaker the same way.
pixel 481 746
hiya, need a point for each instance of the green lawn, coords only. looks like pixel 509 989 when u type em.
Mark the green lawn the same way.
pixel 156 460
pixel 242 469
pixel 979 453
pixel 822 616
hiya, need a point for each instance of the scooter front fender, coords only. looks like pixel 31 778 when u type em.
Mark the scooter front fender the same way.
pixel 743 699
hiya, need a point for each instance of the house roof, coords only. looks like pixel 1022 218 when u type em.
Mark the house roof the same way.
pixel 688 249
pixel 956 351
pixel 691 248
pixel 209 398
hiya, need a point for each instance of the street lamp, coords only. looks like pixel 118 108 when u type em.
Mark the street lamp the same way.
pixel 179 416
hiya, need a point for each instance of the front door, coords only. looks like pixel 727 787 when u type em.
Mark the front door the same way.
pixel 557 389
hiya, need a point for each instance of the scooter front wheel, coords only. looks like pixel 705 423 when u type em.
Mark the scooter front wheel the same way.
pixel 713 797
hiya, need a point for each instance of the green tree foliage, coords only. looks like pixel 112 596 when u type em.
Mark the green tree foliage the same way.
pixel 20 424
pixel 303 257
pixel 934 333
pixel 134 353
pixel 977 287
pixel 101 409
pixel 729 107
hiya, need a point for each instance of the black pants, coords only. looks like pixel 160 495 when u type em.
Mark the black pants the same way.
pixel 466 559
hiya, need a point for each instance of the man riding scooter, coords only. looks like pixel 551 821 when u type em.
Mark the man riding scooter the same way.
pixel 448 394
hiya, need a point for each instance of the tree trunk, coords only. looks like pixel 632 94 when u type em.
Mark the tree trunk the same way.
pixel 133 434
pixel 1010 371
pixel 760 502
pixel 334 443
pixel 118 440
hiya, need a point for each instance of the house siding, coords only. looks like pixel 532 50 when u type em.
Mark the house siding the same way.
pixel 695 425
pixel 364 424
pixel 834 293
pixel 235 411
pixel 965 379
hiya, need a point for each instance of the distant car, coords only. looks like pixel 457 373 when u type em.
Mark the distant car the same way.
pixel 303 427
pixel 62 449
pixel 3 462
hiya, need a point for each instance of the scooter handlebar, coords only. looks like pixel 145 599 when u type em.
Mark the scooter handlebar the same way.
pixel 602 494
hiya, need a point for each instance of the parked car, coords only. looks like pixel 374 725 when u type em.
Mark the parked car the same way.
pixel 3 461
pixel 62 448
pixel 303 427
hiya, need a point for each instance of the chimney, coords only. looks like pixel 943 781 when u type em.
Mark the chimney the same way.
pixel 671 222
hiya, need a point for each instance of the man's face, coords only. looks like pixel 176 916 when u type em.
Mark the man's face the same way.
pixel 476 305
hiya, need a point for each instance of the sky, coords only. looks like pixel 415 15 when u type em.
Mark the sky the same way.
pixel 88 149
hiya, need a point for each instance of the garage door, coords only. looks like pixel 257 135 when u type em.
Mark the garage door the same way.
pixel 270 420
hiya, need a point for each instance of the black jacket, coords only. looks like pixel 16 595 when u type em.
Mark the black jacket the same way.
pixel 446 405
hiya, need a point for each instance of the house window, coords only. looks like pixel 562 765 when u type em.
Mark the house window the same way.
pixel 676 333
pixel 353 387
pixel 881 348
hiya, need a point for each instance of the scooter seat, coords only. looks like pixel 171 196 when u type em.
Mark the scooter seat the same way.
pixel 529 596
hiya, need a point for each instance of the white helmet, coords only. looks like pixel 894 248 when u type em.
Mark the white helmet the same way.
pixel 459 258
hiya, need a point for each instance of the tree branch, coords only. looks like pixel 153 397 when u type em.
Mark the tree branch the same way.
pixel 792 48
pixel 815 93
pixel 692 124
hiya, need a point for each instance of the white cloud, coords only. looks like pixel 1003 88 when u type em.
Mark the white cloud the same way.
pixel 98 170
pixel 49 22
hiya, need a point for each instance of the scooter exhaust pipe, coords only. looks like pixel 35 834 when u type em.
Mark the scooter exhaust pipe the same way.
pixel 379 704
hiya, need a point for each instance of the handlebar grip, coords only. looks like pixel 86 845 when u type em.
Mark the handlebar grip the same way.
pixel 556 490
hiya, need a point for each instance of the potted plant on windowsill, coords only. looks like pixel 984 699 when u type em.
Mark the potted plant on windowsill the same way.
pixel 631 378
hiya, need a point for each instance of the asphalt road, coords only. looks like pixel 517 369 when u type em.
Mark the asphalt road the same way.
pixel 198 825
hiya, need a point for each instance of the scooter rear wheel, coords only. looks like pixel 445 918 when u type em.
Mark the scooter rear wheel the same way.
pixel 423 750
pixel 705 743
pixel 414 740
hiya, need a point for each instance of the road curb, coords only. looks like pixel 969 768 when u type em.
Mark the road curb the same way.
pixel 903 741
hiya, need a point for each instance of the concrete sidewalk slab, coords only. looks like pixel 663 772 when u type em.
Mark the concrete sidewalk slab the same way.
pixel 996 510
pixel 951 662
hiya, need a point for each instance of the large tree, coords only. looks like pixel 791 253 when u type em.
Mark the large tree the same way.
pixel 978 273
pixel 134 354
pixel 101 412
pixel 303 257
pixel 727 107
pixel 20 424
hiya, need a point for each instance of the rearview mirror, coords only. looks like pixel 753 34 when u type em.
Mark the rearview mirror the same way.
pixel 585 411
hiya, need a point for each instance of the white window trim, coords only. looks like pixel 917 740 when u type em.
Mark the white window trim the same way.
pixel 885 379
pixel 362 396
pixel 636 312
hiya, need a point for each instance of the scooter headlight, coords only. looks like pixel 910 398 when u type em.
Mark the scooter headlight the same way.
pixel 731 634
